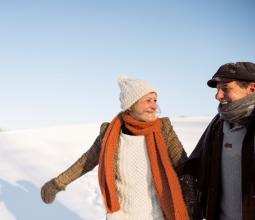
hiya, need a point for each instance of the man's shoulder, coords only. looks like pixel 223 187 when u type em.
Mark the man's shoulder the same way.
pixel 216 121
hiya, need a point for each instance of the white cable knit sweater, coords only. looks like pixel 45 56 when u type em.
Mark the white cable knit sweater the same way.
pixel 136 191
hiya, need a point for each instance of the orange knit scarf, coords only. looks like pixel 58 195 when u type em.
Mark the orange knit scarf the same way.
pixel 164 177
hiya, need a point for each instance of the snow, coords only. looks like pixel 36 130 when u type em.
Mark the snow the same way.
pixel 30 157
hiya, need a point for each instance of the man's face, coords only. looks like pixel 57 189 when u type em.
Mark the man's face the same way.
pixel 231 91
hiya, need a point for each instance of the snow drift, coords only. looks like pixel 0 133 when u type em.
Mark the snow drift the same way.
pixel 31 157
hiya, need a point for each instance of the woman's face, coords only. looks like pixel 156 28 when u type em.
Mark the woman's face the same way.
pixel 145 109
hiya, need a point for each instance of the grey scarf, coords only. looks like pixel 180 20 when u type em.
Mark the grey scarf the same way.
pixel 240 111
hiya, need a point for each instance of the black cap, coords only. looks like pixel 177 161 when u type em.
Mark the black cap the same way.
pixel 240 71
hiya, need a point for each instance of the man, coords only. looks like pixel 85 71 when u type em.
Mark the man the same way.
pixel 223 162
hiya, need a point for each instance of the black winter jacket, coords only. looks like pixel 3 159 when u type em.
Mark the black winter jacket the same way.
pixel 204 164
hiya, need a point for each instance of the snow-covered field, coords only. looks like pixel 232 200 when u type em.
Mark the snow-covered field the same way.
pixel 31 157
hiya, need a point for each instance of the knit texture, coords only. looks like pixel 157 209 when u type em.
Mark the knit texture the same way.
pixel 49 191
pixel 164 177
pixel 131 90
pixel 231 171
pixel 135 187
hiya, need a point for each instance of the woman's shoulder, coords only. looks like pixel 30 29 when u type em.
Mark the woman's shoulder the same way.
pixel 103 127
pixel 165 121
pixel 166 126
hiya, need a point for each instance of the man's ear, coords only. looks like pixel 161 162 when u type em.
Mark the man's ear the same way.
pixel 252 87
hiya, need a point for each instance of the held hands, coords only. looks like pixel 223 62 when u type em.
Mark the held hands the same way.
pixel 49 191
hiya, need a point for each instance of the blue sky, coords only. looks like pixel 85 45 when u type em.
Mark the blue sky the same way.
pixel 60 60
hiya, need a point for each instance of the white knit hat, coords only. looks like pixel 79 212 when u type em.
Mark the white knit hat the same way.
pixel 131 90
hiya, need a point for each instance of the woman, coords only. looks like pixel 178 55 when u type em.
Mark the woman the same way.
pixel 139 155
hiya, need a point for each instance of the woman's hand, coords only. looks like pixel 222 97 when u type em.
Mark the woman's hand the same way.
pixel 49 191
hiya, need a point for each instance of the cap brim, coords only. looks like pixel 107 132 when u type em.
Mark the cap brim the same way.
pixel 213 82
